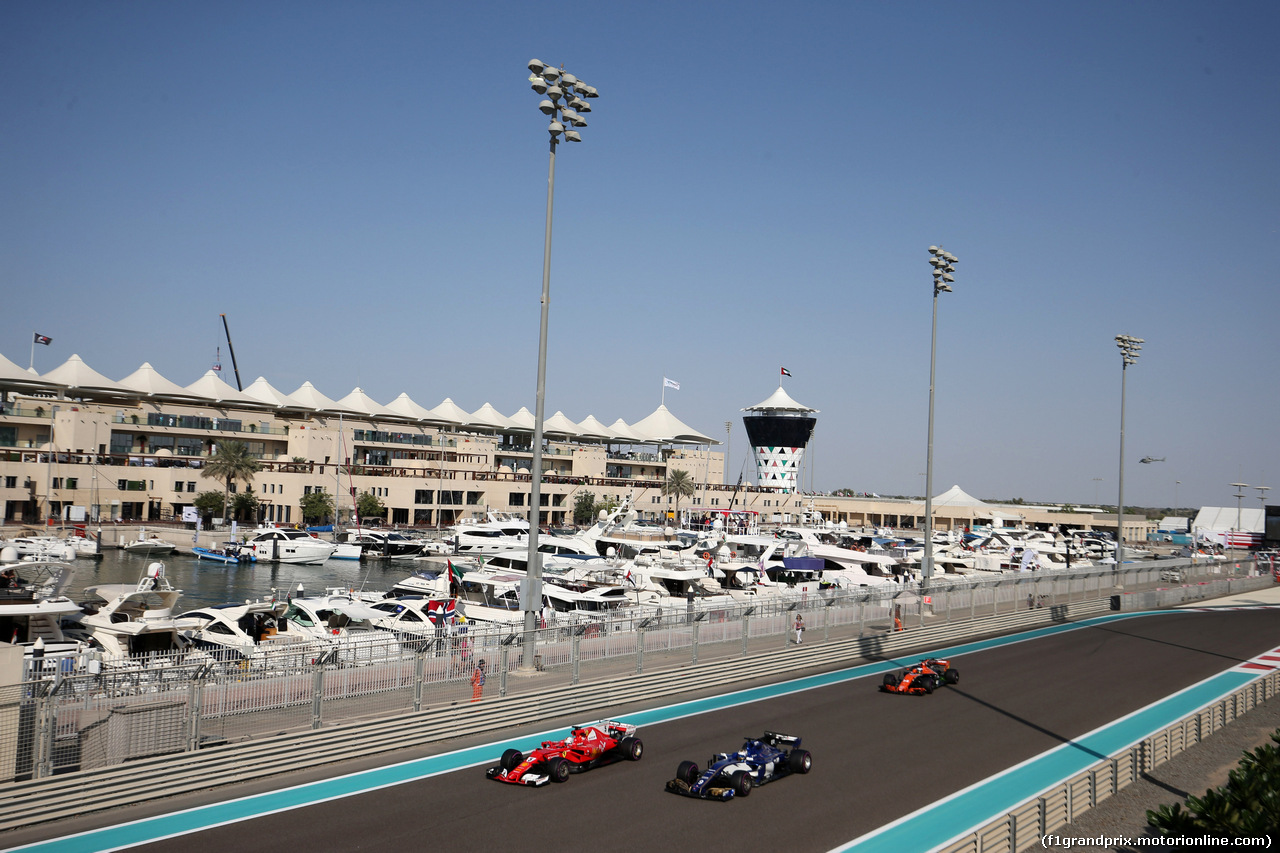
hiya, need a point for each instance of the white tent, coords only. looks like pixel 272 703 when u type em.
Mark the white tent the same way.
pixel 264 392
pixel 148 382
pixel 13 376
pixel 74 375
pixel 404 407
pixel 956 496
pixel 523 420
pixel 589 427
pixel 625 434
pixel 363 403
pixel 211 387
pixel 559 424
pixel 450 412
pixel 308 395
pixel 664 427
pixel 780 401
pixel 488 416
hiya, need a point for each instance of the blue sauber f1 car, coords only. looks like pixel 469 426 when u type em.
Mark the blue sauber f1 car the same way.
pixel 760 760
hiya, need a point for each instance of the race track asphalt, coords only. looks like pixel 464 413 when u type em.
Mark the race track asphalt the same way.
pixel 876 756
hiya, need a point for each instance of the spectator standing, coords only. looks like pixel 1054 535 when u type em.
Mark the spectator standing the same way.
pixel 477 681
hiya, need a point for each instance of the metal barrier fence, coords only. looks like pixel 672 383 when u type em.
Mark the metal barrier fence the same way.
pixel 59 721
pixel 1023 828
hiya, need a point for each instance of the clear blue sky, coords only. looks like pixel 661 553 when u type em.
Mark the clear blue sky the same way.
pixel 361 188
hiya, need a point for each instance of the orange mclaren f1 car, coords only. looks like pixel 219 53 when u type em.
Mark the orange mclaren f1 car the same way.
pixel 921 678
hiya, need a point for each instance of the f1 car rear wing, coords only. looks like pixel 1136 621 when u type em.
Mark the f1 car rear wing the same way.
pixel 779 739
pixel 613 727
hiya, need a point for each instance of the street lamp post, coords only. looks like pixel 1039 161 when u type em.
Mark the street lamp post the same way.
pixel 1129 347
pixel 1240 487
pixel 944 264
pixel 559 87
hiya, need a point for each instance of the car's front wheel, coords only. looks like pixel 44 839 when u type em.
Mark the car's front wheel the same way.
pixel 558 770
pixel 741 783
pixel 926 681
pixel 890 680
pixel 511 759
pixel 799 761
pixel 687 772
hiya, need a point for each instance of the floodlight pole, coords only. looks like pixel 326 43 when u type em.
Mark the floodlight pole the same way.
pixel 943 264
pixel 1129 347
pixel 556 85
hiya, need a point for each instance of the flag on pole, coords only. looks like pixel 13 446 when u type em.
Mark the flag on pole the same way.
pixel 450 577
pixel 786 372
pixel 670 383
pixel 43 339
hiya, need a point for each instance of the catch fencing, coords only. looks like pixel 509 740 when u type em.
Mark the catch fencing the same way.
pixel 61 720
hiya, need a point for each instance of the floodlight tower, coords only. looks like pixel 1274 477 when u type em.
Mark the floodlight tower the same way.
pixel 944 265
pixel 1129 348
pixel 558 86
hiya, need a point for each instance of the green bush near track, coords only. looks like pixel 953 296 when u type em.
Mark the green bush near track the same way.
pixel 1247 806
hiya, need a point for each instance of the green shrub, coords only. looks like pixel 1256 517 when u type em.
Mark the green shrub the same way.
pixel 1247 806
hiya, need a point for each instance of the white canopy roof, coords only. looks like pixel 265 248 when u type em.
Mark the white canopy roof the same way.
pixel 148 382
pixel 592 428
pixel 779 401
pixel 11 374
pixel 451 413
pixel 956 496
pixel 662 426
pixel 404 407
pixel 488 416
pixel 624 433
pixel 73 374
pixel 264 392
pixel 363 403
pixel 523 419
pixel 559 424
pixel 309 396
pixel 211 387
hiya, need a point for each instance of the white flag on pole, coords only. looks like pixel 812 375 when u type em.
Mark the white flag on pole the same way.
pixel 670 383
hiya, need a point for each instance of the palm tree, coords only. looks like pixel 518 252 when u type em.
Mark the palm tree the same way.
pixel 231 462
pixel 679 484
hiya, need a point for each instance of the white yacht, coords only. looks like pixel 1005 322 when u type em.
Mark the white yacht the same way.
pixel 853 567
pixel 32 605
pixel 491 532
pixel 130 620
pixel 149 545
pixel 249 630
pixel 281 545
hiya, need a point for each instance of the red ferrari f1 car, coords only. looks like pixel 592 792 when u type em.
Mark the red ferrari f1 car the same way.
pixel 921 678
pixel 589 745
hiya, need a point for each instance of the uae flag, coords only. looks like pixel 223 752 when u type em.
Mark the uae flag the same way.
pixel 43 339
pixel 786 372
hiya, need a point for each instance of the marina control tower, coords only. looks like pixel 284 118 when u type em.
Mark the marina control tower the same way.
pixel 778 429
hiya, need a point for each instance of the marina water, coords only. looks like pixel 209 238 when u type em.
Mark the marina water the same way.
pixel 205 583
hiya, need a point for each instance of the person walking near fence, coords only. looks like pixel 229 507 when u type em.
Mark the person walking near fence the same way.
pixel 799 628
pixel 477 681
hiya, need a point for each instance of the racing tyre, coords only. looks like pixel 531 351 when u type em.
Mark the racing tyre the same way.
pixel 632 748
pixel 687 772
pixel 799 761
pixel 951 676
pixel 741 783
pixel 890 680
pixel 926 681
pixel 511 759
pixel 558 770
